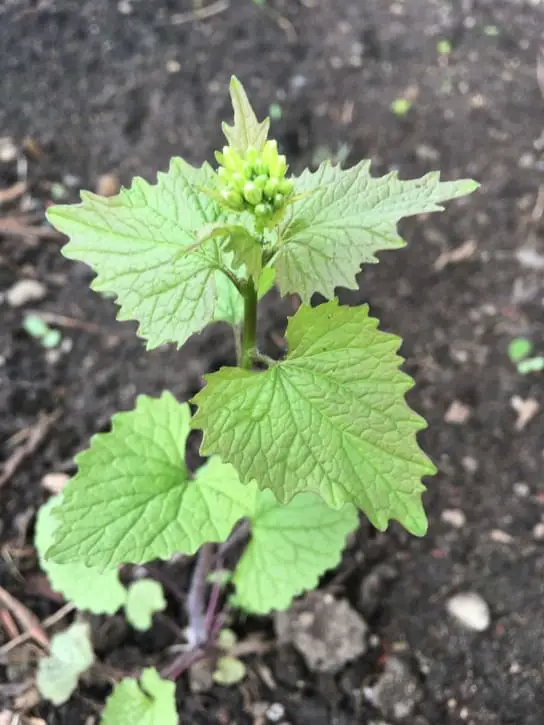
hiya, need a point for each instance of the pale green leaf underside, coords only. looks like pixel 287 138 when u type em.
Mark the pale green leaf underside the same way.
pixel 71 655
pixel 330 419
pixel 132 501
pixel 291 546
pixel 144 598
pixel 88 588
pixel 247 130
pixel 229 671
pixel 154 703
pixel 344 217
pixel 142 246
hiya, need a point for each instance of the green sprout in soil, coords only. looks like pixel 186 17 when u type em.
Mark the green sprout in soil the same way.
pixel 401 106
pixel 275 112
pixel 443 47
pixel 38 329
pixel 519 351
pixel 491 30
pixel 294 448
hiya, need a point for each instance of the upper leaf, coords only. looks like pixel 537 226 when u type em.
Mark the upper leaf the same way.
pixel 291 546
pixel 144 598
pixel 343 218
pixel 89 588
pixel 330 418
pixel 142 245
pixel 132 499
pixel 71 655
pixel 246 131
pixel 150 702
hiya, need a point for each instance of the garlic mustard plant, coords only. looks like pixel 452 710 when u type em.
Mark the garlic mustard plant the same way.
pixel 293 450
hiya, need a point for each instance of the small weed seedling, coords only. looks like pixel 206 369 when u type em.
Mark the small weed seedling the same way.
pixel 519 352
pixel 296 447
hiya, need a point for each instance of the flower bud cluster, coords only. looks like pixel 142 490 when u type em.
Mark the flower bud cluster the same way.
pixel 254 181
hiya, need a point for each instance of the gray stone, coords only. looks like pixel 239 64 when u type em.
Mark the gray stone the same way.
pixel 327 632
pixel 396 691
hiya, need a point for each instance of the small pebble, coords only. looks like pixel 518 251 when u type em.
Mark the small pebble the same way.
pixel 124 7
pixel 470 464
pixel 107 185
pixel 55 482
pixel 458 413
pixel 173 66
pixel 454 517
pixel 275 712
pixel 538 531
pixel 521 489
pixel 8 150
pixel 470 610
pixel 427 153
pixel 25 290
pixel 501 537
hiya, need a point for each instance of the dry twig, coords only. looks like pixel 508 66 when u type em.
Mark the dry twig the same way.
pixel 36 434
pixel 12 192
pixel 49 622
pixel 200 13
pixel 14 226
pixel 25 618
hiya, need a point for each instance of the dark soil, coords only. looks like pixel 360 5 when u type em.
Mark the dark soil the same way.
pixel 95 90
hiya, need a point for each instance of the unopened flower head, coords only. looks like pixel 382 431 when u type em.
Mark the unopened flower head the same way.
pixel 254 181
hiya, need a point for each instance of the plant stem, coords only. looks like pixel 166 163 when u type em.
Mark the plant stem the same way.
pixel 213 601
pixel 238 536
pixel 182 663
pixel 197 633
pixel 249 334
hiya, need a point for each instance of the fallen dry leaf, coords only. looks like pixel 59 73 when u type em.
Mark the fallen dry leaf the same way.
pixel 11 194
pixel 459 254
pixel 526 410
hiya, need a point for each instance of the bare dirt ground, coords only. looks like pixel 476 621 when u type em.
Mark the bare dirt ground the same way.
pixel 99 86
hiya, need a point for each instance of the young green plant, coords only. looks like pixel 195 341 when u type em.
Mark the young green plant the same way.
pixel 295 449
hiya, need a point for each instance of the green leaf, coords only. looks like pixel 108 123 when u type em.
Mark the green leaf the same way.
pixel 71 655
pixel 246 250
pixel 330 418
pixel 291 546
pixel 226 639
pixel 152 701
pixel 88 588
pixel 348 218
pixel 266 281
pixel 35 326
pixel 519 348
pixel 145 597
pixel 132 499
pixel 401 106
pixel 229 671
pixel 246 131
pixel 142 245
pixel 531 365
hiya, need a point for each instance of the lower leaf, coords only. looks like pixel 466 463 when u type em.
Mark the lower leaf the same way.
pixel 291 546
